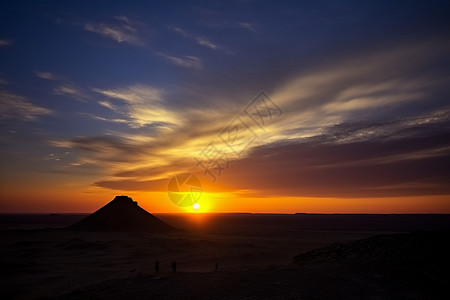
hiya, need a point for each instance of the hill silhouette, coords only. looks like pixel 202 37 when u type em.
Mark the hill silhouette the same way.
pixel 427 248
pixel 122 214
pixel 404 266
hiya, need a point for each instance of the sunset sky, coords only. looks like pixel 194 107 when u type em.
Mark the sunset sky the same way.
pixel 114 98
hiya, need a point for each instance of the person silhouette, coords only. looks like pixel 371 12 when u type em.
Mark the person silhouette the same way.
pixel 174 267
pixel 216 266
pixel 157 266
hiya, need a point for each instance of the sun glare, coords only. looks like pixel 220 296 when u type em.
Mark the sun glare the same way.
pixel 196 206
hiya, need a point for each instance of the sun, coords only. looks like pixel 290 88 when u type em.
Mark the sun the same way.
pixel 196 206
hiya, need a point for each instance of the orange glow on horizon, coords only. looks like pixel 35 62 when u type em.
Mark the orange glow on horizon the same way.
pixel 84 198
pixel 41 200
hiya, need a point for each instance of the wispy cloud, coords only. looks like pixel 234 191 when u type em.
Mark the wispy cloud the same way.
pixel 328 111
pixel 246 25
pixel 159 185
pixel 121 30
pixel 204 42
pixel 217 19
pixel 307 167
pixel 71 91
pixel 156 132
pixel 362 168
pixel 6 42
pixel 47 75
pixel 64 86
pixel 190 62
pixel 99 118
pixel 14 106
pixel 370 85
pixel 105 151
pixel 180 31
pixel 249 26
pixel 142 104
pixel 109 105
pixel 200 40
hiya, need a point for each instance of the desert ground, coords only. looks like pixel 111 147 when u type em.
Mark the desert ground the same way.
pixel 258 257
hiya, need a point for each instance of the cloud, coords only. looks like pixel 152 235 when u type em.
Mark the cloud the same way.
pixel 216 19
pixel 200 40
pixel 47 75
pixel 72 91
pixel 246 25
pixel 190 62
pixel 65 87
pixel 57 156
pixel 105 144
pixel 122 30
pixel 159 185
pixel 180 31
pixel 99 118
pixel 370 86
pixel 401 167
pixel 107 153
pixel 340 130
pixel 204 42
pixel 399 157
pixel 249 26
pixel 13 106
pixel 109 105
pixel 6 42
pixel 142 104
pixel 161 140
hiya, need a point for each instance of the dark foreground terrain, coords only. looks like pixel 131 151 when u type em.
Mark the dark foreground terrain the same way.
pixel 258 256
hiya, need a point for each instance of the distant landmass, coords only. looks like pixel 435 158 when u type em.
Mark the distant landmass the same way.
pixel 235 256
pixel 122 214
pixel 425 249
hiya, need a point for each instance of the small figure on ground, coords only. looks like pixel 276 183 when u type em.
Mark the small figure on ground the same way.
pixel 216 266
pixel 174 267
pixel 157 266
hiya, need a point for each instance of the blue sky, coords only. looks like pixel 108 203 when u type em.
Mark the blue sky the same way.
pixel 93 90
